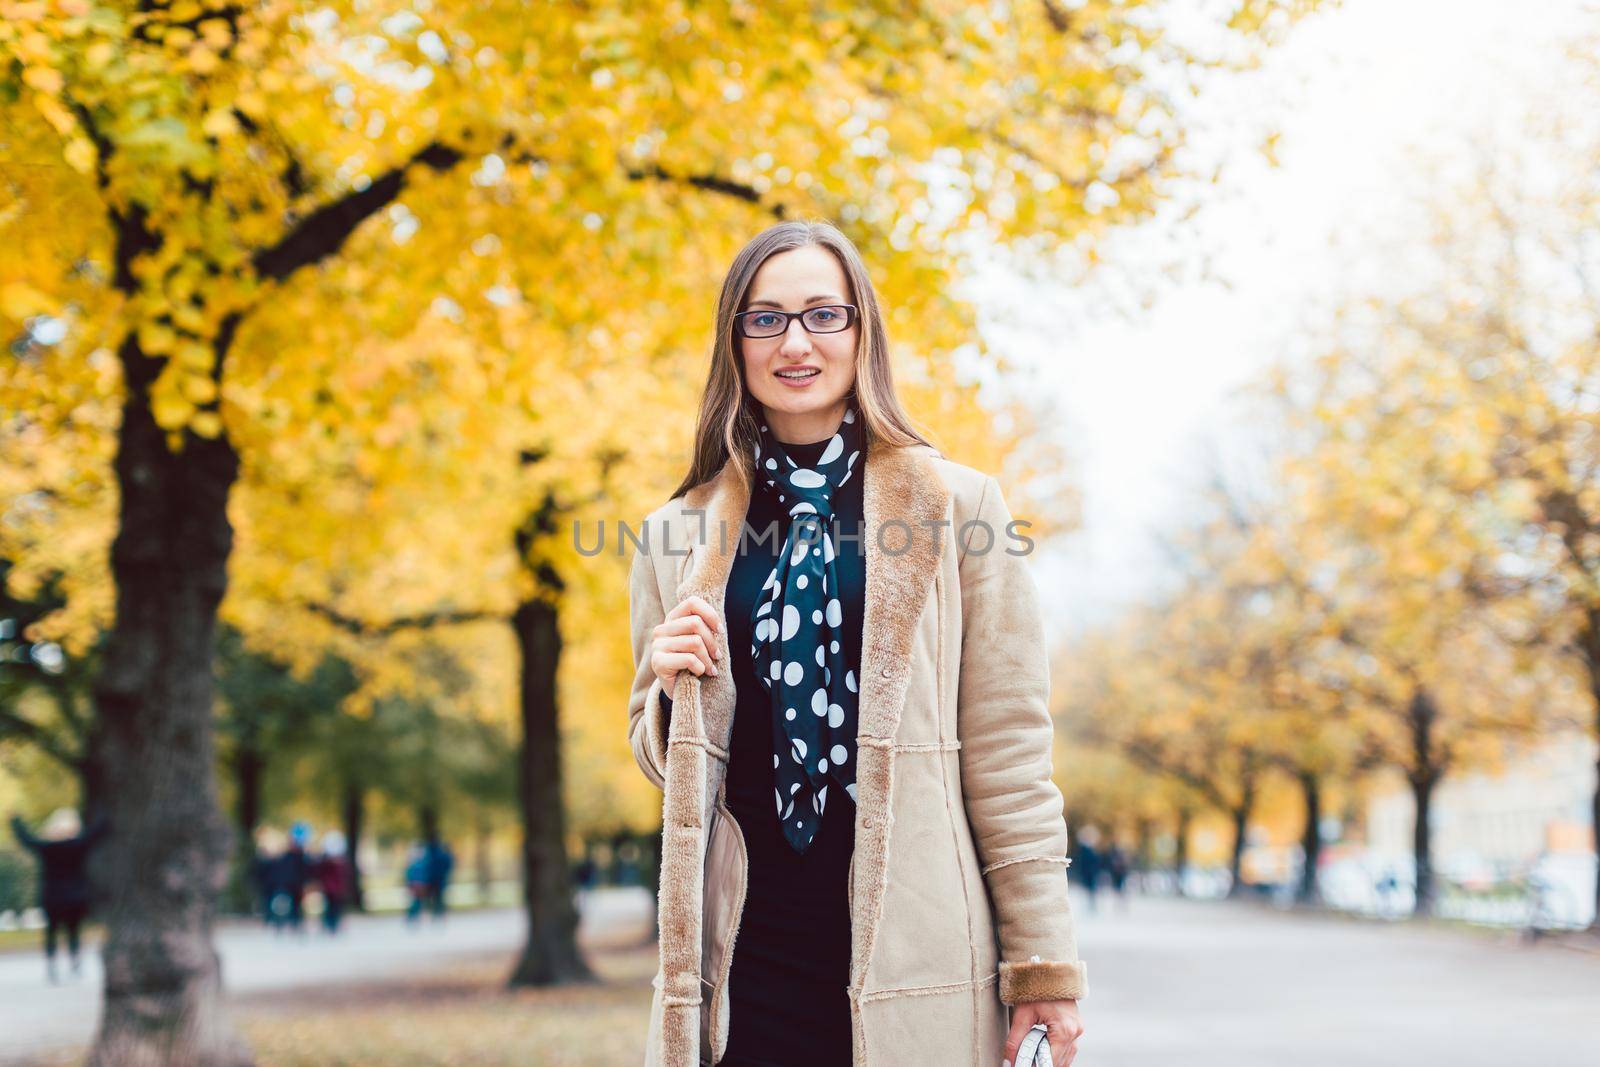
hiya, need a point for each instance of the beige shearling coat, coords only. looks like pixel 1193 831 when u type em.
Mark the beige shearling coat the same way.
pixel 957 887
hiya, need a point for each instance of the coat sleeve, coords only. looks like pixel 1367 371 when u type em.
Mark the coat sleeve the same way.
pixel 647 711
pixel 1006 734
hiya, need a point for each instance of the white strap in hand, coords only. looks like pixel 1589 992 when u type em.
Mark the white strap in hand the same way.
pixel 1035 1048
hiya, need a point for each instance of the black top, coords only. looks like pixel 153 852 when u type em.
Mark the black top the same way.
pixel 64 865
pixel 787 989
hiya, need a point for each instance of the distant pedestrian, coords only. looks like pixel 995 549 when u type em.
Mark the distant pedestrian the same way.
pixel 270 843
pixel 440 863
pixel 284 870
pixel 298 874
pixel 62 848
pixel 1117 869
pixel 334 879
pixel 1088 863
pixel 416 882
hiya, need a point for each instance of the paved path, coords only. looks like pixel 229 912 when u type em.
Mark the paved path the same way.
pixel 1177 984
pixel 1172 984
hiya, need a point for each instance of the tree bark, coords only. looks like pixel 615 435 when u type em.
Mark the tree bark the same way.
pixel 1240 814
pixel 550 956
pixel 1310 840
pixel 481 856
pixel 1180 860
pixel 1240 817
pixel 248 766
pixel 1422 844
pixel 354 818
pixel 1423 774
pixel 1144 830
pixel 1594 825
pixel 166 854
pixel 1589 643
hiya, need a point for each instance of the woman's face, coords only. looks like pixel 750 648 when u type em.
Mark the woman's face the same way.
pixel 807 409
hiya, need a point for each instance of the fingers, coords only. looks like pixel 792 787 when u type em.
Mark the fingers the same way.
pixel 686 641
pixel 699 607
pixel 1064 1025
pixel 694 626
pixel 668 665
pixel 1022 1020
pixel 694 645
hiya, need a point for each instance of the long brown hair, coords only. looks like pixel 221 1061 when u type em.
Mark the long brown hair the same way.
pixel 729 418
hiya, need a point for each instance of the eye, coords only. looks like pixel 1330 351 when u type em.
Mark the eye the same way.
pixel 825 314
pixel 763 320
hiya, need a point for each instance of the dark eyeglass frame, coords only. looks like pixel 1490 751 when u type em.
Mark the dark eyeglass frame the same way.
pixel 849 310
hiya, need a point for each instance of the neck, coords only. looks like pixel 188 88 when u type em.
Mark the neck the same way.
pixel 804 427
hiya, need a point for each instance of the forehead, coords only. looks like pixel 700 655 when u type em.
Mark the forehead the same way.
pixel 800 275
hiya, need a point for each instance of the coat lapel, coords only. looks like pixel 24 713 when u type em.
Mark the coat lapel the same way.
pixel 903 500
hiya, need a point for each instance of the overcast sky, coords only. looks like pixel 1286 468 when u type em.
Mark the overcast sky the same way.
pixel 1353 93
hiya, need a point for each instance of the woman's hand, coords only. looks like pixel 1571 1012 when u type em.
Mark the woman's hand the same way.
pixel 1059 1016
pixel 683 642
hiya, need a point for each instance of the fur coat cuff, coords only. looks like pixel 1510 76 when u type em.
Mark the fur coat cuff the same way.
pixel 1021 983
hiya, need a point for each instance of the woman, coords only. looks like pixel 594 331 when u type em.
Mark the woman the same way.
pixel 841 686
pixel 63 851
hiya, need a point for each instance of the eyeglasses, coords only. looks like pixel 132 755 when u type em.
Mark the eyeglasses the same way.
pixel 825 318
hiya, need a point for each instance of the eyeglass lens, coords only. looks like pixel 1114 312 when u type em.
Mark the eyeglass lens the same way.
pixel 825 319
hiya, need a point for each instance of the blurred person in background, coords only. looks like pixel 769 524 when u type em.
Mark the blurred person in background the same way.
pixel 1088 862
pixel 416 882
pixel 62 848
pixel 332 872
pixel 284 870
pixel 270 843
pixel 1117 870
pixel 296 874
pixel 439 863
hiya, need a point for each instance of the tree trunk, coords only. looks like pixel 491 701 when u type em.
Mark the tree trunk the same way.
pixel 248 766
pixel 354 818
pixel 1594 825
pixel 1180 860
pixel 1590 644
pixel 1422 844
pixel 1310 840
pixel 1241 823
pixel 1423 774
pixel 1240 816
pixel 481 851
pixel 551 954
pixel 166 854
pixel 1143 830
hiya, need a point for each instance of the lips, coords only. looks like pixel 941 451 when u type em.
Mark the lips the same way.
pixel 798 373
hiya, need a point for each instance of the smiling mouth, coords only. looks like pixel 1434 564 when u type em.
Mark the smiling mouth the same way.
pixel 800 374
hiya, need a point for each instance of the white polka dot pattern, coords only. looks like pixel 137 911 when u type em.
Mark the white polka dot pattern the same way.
pixel 795 630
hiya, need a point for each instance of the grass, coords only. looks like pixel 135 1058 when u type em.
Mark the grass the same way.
pixel 466 1017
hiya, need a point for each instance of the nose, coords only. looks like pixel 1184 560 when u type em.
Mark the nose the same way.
pixel 796 341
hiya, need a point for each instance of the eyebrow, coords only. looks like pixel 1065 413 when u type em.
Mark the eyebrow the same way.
pixel 813 300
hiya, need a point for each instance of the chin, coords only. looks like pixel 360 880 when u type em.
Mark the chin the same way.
pixel 799 405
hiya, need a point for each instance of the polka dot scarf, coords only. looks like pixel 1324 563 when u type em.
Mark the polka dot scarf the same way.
pixel 797 631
